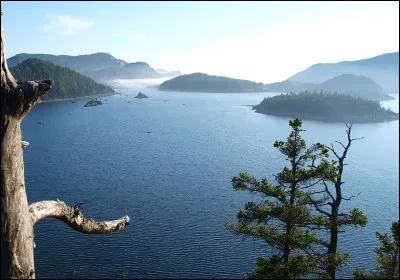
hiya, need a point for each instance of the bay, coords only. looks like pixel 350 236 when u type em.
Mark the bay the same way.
pixel 167 162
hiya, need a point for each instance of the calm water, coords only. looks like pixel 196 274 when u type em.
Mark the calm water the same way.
pixel 175 182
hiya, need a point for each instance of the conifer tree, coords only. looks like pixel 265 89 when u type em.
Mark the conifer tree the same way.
pixel 387 259
pixel 283 219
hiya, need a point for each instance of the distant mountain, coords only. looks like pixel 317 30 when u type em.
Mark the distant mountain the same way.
pixel 291 86
pixel 67 83
pixel 353 85
pixel 346 84
pixel 137 70
pixel 79 63
pixel 166 73
pixel 199 82
pixel 350 84
pixel 98 66
pixel 382 69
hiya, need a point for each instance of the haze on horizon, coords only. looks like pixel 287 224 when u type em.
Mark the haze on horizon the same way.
pixel 258 41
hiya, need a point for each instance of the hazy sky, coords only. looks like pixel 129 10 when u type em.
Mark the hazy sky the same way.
pixel 259 41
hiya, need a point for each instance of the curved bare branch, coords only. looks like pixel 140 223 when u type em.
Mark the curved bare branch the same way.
pixel 73 217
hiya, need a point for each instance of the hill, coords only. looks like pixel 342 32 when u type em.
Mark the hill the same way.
pixel 98 66
pixel 199 82
pixel 350 84
pixel 67 83
pixel 79 63
pixel 382 69
pixel 325 107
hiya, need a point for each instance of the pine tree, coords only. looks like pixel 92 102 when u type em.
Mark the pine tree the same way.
pixel 283 219
pixel 387 259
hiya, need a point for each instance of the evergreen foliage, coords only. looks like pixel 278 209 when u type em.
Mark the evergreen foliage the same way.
pixel 387 259
pixel 325 107
pixel 67 82
pixel 283 219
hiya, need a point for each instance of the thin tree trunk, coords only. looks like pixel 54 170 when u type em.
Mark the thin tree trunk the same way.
pixel 332 249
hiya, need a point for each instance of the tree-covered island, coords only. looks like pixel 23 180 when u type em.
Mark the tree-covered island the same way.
pixel 328 107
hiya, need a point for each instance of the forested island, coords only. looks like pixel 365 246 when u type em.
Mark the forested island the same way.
pixel 329 107
pixel 199 82
pixel 67 84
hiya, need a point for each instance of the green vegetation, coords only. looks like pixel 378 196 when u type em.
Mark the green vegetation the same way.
pixel 282 219
pixel 199 82
pixel 387 259
pixel 291 212
pixel 325 107
pixel 67 83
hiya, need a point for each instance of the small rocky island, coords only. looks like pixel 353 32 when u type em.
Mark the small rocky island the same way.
pixel 93 102
pixel 326 107
pixel 141 95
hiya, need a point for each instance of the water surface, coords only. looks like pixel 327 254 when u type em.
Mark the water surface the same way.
pixel 167 162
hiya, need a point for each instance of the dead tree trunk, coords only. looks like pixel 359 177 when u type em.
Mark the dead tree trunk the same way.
pixel 17 217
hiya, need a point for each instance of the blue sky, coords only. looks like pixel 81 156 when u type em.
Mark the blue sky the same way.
pixel 259 41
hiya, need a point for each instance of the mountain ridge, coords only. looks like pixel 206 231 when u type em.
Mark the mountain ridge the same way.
pixel 382 69
pixel 96 65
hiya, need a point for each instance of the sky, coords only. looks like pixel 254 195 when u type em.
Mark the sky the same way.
pixel 258 41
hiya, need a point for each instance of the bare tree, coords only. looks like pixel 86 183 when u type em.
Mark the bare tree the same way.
pixel 332 219
pixel 17 217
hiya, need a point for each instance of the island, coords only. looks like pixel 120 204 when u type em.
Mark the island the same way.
pixel 93 102
pixel 200 82
pixel 68 84
pixel 141 95
pixel 349 84
pixel 327 107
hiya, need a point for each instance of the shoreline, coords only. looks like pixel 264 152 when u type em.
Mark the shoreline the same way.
pixel 77 98
pixel 359 120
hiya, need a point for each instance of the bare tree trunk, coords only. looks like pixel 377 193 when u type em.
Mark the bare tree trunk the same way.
pixel 17 218
pixel 335 205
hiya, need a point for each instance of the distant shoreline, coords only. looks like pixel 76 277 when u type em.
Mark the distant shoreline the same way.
pixel 77 98
pixel 310 117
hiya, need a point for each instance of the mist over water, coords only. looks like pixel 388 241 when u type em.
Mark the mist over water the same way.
pixel 136 84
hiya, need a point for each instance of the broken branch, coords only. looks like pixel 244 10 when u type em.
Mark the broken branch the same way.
pixel 73 217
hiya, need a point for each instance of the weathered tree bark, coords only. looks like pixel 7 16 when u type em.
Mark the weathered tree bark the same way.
pixel 17 218
pixel 73 217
